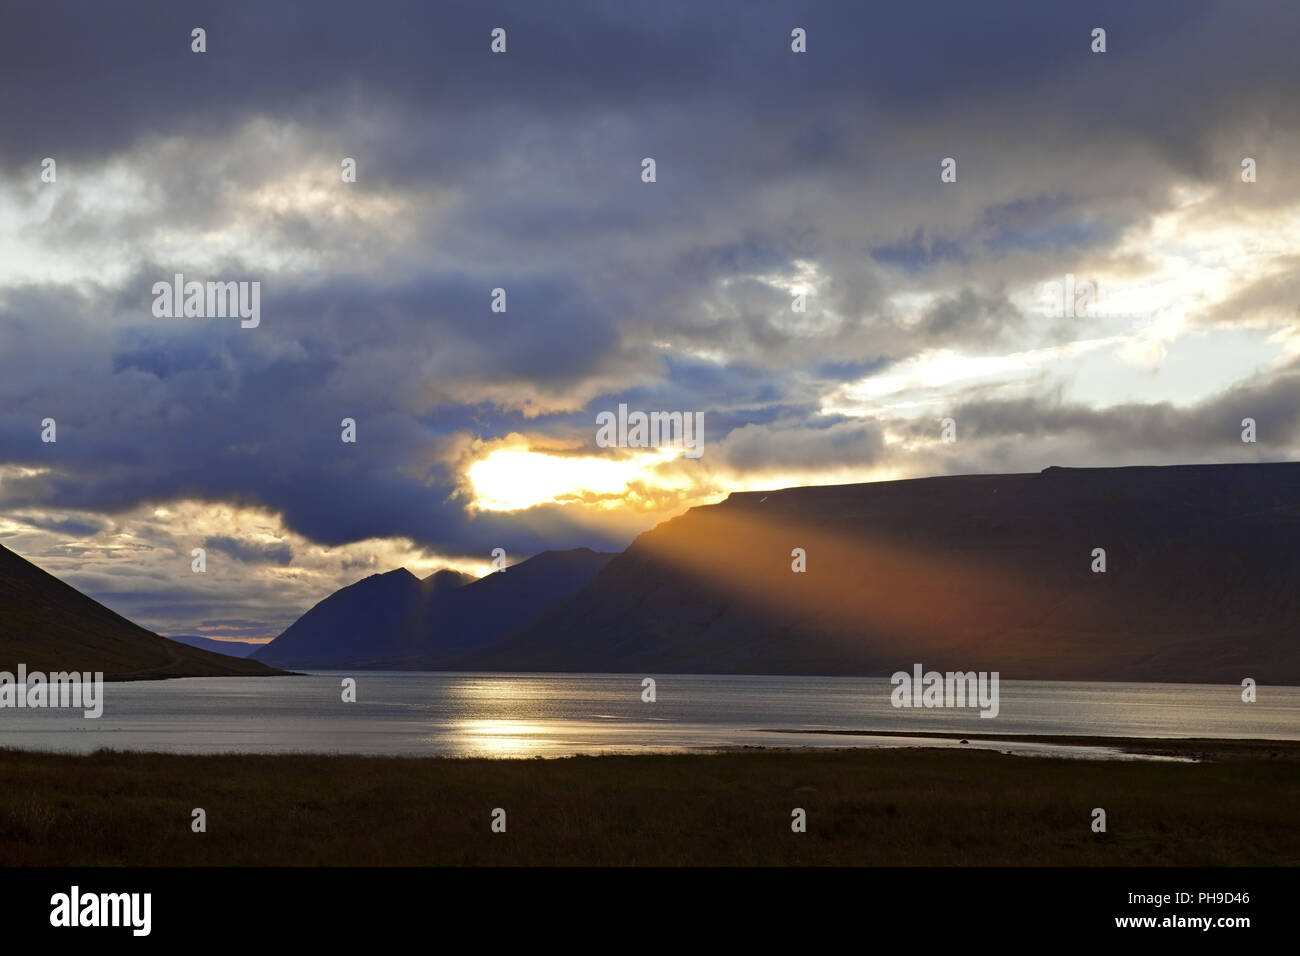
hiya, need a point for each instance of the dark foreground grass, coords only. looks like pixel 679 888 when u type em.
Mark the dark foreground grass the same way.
pixel 868 806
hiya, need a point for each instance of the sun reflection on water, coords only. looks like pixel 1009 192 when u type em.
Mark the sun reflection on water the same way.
pixel 502 738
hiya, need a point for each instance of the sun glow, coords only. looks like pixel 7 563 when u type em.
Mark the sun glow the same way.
pixel 514 479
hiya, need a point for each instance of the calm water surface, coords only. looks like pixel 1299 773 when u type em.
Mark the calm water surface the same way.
pixel 552 715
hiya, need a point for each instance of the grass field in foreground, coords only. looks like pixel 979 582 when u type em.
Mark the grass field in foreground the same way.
pixel 866 806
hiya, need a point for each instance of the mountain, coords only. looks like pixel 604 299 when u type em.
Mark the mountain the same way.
pixel 233 648
pixel 957 573
pixel 375 619
pixel 395 621
pixel 51 626
pixel 480 613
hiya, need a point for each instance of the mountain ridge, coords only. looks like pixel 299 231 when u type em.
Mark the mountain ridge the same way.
pixel 396 621
pixel 372 610
pixel 967 572
pixel 49 625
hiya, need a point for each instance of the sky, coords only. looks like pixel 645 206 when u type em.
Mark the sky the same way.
pixel 777 175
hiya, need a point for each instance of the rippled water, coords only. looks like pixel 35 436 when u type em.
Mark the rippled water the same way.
pixel 523 715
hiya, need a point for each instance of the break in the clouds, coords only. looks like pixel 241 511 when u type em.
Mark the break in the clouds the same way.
pixel 778 175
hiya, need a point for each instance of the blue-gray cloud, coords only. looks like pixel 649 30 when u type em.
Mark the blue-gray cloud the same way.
pixel 522 171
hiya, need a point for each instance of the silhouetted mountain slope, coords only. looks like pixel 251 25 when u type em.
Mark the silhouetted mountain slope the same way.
pixel 480 613
pixel 395 621
pixel 363 622
pixel 233 648
pixel 962 573
pixel 51 626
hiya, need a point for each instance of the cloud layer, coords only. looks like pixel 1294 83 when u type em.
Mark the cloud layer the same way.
pixel 778 174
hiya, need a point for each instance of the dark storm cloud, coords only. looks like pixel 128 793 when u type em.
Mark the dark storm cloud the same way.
pixel 251 553
pixel 969 318
pixel 918 253
pixel 95 75
pixel 831 444
pixel 522 171
pixel 234 423
pixel 75 527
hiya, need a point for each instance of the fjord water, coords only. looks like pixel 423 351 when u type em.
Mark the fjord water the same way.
pixel 553 715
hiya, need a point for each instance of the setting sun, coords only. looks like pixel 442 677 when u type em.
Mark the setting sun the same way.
pixel 514 479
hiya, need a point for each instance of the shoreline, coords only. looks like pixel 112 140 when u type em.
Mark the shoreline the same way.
pixel 1199 748
pixel 1038 746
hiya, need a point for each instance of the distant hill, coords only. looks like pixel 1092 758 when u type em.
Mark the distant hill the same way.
pixel 957 573
pixel 51 626
pixel 482 612
pixel 375 619
pixel 233 648
pixel 395 621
